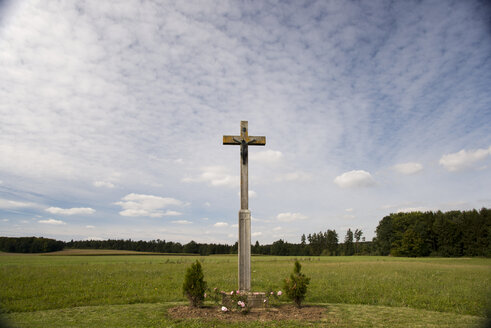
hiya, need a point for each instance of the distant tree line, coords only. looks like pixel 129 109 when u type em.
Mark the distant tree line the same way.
pixel 322 243
pixel 454 233
pixel 159 246
pixel 30 245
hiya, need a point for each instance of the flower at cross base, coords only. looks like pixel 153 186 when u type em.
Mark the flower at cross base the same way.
pixel 224 309
pixel 232 292
pixel 279 293
pixel 204 295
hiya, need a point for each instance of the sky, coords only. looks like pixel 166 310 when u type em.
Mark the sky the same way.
pixel 112 115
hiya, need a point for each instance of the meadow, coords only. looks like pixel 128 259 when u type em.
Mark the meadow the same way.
pixel 136 291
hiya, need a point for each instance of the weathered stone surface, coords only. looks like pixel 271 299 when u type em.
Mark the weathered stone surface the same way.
pixel 244 250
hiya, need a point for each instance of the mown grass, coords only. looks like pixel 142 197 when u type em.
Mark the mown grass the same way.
pixel 155 315
pixel 60 284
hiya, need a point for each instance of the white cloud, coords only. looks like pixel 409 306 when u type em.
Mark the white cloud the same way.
pixel 149 213
pixel 5 220
pixel 70 211
pixel 277 228
pixel 463 159
pixel 140 212
pixel 136 87
pixel 104 184
pixel 221 224
pixel 294 176
pixel 413 209
pixel 10 204
pixel 19 158
pixel 52 221
pixel 349 210
pixel 215 176
pixel 353 179
pixel 408 168
pixel 181 222
pixel 147 205
pixel 256 234
pixel 289 217
pixel 90 226
pixel 267 157
pixel 172 213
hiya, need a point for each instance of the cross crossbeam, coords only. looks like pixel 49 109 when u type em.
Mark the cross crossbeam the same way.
pixel 244 140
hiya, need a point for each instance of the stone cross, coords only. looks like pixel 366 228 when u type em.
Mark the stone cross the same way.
pixel 244 140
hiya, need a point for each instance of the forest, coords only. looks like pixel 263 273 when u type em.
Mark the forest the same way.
pixel 449 234
pixel 414 234
pixel 30 245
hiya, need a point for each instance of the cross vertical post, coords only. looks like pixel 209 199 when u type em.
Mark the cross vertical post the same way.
pixel 244 140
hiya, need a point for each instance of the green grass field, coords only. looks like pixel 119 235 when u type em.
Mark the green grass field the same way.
pixel 135 291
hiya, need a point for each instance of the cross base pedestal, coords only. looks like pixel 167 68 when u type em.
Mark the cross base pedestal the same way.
pixel 244 250
pixel 254 300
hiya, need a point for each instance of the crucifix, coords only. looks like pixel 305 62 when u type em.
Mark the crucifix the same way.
pixel 244 140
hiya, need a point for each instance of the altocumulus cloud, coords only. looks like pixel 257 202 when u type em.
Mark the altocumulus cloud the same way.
pixel 215 176
pixel 267 157
pixel 463 159
pixel 181 222
pixel 355 178
pixel 294 176
pixel 408 168
pixel 147 88
pixel 70 211
pixel 52 221
pixel 289 217
pixel 103 184
pixel 10 204
pixel 148 205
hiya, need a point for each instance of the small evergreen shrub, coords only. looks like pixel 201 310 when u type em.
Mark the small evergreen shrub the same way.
pixel 194 286
pixel 296 285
